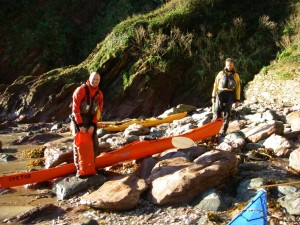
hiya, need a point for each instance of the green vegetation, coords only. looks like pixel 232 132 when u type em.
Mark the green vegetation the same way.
pixel 286 65
pixel 200 34
pixel 177 48
pixel 55 33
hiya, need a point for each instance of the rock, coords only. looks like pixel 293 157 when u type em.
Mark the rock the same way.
pixel 117 141
pixel 294 119
pixel 178 109
pixel 136 129
pixel 38 185
pixel 243 193
pixel 287 128
pixel 211 200
pixel 101 132
pixel 7 124
pixel 294 160
pixel 7 157
pixel 291 203
pixel 4 191
pixel 156 132
pixel 173 153
pixel 58 152
pixel 36 127
pixel 286 190
pixel 204 121
pixel 292 135
pixel 263 131
pixel 279 144
pixel 224 146
pixel 36 215
pixel 210 170
pixel 202 116
pixel 270 115
pixel 234 142
pixel 180 129
pixel 104 146
pixel 56 127
pixel 236 125
pixel 145 167
pixel 194 152
pixel 255 117
pixel 249 166
pixel 86 222
pixel 70 185
pixel 253 146
pixel 108 136
pixel 168 166
pixel 35 139
pixel 120 193
pixel 145 137
pixel 1 145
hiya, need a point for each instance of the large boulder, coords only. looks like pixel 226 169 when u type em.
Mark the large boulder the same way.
pixel 136 129
pixel 120 193
pixel 291 203
pixel 70 185
pixel 263 131
pixel 233 142
pixel 145 167
pixel 294 120
pixel 294 160
pixel 168 166
pixel 58 151
pixel 210 170
pixel 280 145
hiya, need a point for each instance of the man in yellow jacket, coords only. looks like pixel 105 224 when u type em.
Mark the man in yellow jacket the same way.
pixel 226 91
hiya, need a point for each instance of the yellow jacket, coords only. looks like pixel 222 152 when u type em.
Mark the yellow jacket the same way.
pixel 237 88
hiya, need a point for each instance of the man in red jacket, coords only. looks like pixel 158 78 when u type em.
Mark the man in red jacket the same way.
pixel 87 104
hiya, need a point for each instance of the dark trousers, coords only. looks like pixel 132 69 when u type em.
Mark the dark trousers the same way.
pixel 223 107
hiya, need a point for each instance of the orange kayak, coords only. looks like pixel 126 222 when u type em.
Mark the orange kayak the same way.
pixel 134 150
pixel 150 122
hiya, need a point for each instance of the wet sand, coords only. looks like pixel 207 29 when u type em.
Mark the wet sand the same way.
pixel 18 199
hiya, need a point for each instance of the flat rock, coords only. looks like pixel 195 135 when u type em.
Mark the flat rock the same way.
pixel 120 193
pixel 70 185
pixel 209 170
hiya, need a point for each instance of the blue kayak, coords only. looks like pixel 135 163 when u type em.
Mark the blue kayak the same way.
pixel 255 213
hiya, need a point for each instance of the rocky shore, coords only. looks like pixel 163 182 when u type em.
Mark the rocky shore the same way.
pixel 204 184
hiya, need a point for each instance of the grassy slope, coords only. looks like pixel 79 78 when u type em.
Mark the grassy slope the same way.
pixel 281 78
pixel 207 32
pixel 174 52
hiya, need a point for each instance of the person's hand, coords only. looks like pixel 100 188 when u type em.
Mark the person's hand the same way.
pixel 91 129
pixel 82 129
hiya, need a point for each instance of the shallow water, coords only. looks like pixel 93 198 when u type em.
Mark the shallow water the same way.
pixel 18 199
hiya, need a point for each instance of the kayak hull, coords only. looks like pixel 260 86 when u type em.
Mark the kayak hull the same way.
pixel 134 150
pixel 255 213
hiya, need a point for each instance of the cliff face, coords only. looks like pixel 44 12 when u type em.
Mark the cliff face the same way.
pixel 152 61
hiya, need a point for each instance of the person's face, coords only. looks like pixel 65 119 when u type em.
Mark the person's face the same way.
pixel 94 79
pixel 229 66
